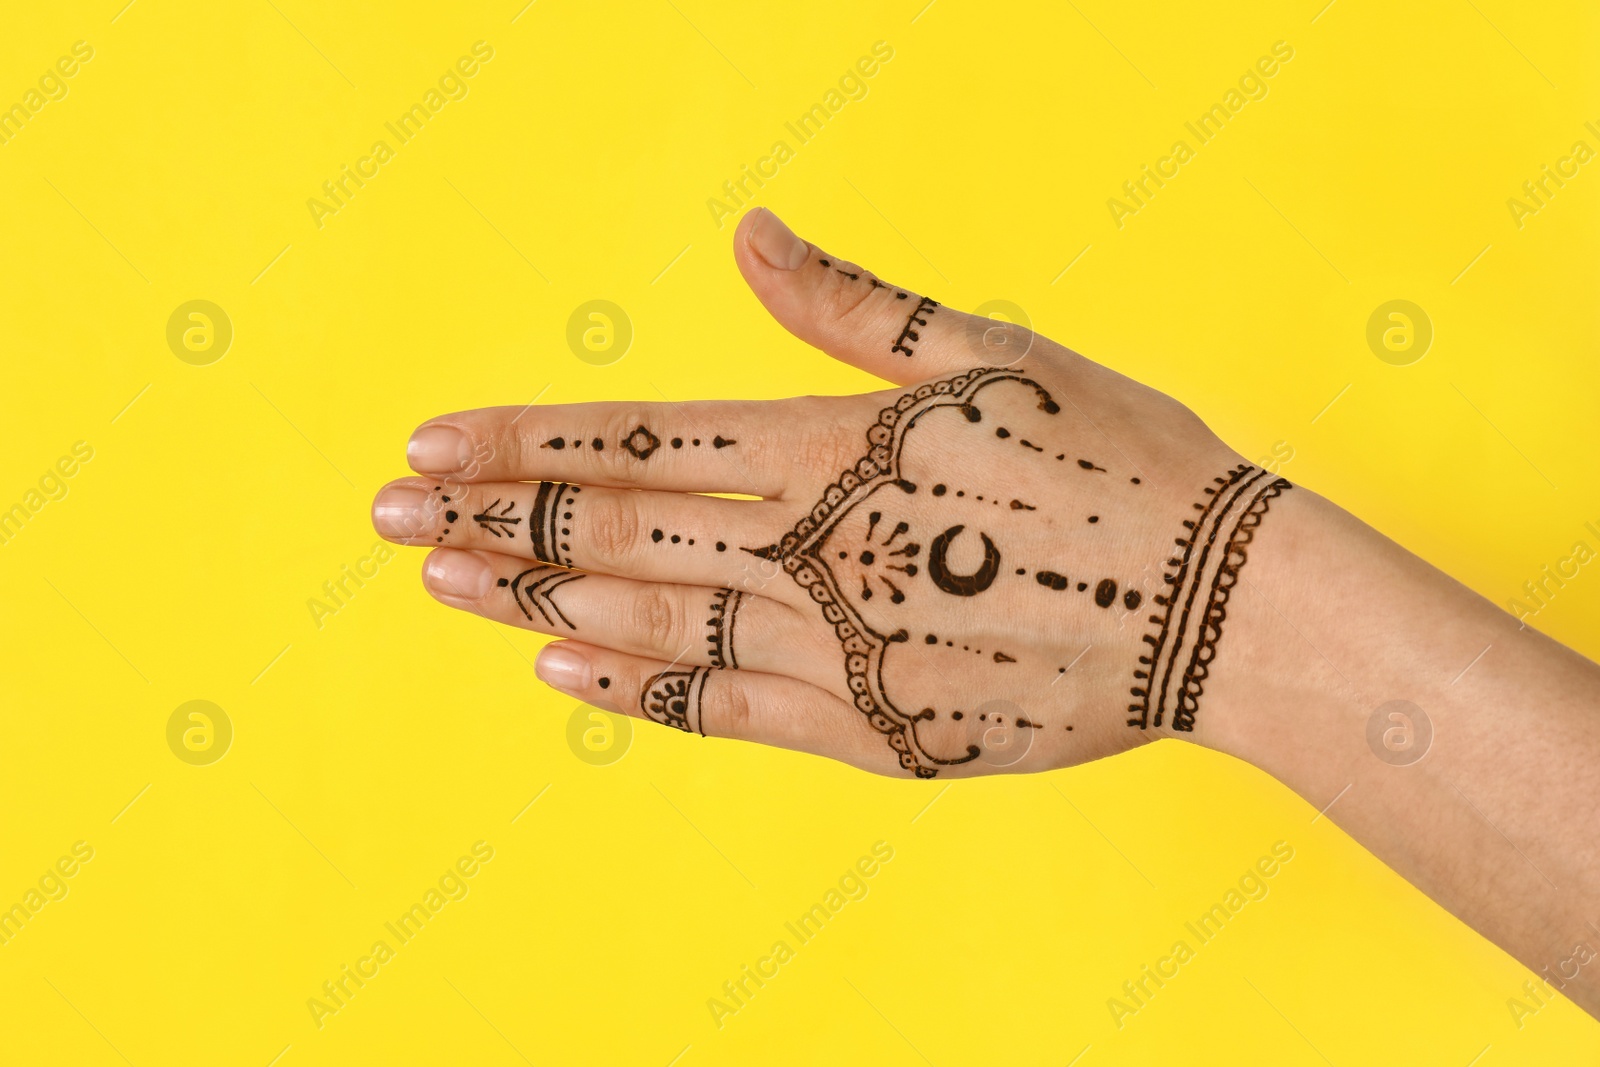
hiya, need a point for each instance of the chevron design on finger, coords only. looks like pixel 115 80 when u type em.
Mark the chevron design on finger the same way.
pixel 535 588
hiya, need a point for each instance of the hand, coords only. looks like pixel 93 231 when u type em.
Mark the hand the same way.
pixel 1016 560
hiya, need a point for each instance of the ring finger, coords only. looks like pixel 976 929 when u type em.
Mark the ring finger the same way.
pixel 743 705
pixel 693 625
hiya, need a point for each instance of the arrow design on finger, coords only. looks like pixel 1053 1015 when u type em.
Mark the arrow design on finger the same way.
pixel 497 524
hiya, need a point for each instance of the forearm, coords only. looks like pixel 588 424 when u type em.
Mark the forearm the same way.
pixel 1495 818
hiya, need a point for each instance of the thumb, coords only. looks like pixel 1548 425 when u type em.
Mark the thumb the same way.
pixel 854 316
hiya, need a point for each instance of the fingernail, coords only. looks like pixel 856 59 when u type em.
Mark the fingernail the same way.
pixel 400 511
pixel 561 668
pixel 438 448
pixel 776 244
pixel 457 574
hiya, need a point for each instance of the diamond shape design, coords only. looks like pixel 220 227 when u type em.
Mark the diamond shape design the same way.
pixel 642 443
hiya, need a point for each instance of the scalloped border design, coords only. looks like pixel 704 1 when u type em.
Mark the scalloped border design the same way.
pixel 797 551
pixel 1210 629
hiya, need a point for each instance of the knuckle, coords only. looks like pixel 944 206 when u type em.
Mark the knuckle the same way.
pixel 613 527
pixel 846 302
pixel 758 575
pixel 491 451
pixel 620 463
pixel 657 618
pixel 733 708
pixel 515 448
pixel 823 450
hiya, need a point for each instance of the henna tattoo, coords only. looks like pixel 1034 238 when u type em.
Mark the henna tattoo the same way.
pixel 1005 434
pixel 449 516
pixel 498 523
pixel 535 588
pixel 558 443
pixel 962 584
pixel 657 536
pixel 1016 505
pixel 1105 591
pixel 725 605
pixel 547 525
pixel 1222 582
pixel 642 443
pixel 933 639
pixel 1051 580
pixel 807 556
pixel 868 558
pixel 855 276
pixel 924 307
pixel 1238 502
pixel 672 698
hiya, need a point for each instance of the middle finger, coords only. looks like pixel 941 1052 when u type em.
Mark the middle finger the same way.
pixel 674 537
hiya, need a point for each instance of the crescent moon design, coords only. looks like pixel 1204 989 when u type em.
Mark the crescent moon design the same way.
pixel 962 584
pixel 807 553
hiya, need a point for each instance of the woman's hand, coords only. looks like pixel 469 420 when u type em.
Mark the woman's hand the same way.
pixel 1015 560
pixel 1019 560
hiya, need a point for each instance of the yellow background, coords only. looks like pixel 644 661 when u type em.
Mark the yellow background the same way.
pixel 372 751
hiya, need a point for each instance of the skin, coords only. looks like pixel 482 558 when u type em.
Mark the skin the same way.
pixel 994 658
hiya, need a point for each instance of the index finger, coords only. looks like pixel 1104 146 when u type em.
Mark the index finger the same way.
pixel 708 446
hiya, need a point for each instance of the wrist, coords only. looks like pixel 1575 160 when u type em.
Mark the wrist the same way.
pixel 1455 744
pixel 1330 621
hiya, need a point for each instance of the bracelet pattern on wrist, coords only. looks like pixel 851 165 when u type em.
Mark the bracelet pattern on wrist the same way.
pixel 1172 673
